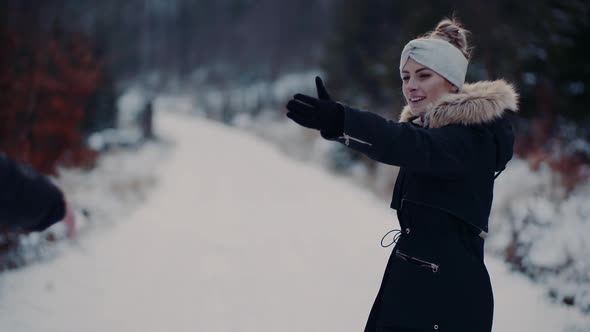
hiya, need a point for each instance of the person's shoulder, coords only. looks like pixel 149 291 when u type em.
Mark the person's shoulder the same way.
pixel 478 103
pixel 459 132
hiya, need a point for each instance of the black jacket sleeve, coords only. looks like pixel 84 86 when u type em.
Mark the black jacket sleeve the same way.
pixel 444 152
pixel 28 200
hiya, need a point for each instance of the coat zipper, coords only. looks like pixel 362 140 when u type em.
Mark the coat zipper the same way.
pixel 422 262
pixel 483 234
pixel 347 139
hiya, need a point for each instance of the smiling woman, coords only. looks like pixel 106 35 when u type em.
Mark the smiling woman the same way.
pixel 423 87
pixel 453 139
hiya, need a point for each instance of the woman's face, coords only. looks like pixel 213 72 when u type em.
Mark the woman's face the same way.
pixel 422 86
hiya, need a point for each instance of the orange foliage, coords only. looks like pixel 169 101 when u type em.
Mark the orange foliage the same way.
pixel 540 145
pixel 45 84
pixel 571 167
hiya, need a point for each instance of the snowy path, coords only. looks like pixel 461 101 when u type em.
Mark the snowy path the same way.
pixel 235 238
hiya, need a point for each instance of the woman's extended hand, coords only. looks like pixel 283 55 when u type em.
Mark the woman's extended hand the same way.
pixel 320 113
pixel 70 221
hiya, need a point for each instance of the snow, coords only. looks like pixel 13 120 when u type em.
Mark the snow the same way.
pixel 552 230
pixel 130 104
pixel 236 236
pixel 120 181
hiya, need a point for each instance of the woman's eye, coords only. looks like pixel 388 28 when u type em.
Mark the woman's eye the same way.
pixel 405 78
pixel 424 75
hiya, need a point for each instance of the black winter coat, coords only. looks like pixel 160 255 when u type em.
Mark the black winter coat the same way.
pixel 435 279
pixel 28 200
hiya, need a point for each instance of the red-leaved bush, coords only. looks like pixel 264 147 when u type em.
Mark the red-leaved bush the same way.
pixel 45 83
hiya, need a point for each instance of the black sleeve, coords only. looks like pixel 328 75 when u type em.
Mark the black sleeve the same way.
pixel 28 200
pixel 443 152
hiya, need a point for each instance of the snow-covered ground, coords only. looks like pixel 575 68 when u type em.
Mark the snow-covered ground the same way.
pixel 236 236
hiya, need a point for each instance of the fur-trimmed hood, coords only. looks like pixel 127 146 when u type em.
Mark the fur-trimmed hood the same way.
pixel 477 103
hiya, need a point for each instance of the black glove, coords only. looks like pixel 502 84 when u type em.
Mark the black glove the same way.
pixel 323 114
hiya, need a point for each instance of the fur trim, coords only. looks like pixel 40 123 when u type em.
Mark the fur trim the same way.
pixel 477 103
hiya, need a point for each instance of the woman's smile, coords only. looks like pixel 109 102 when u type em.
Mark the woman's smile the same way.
pixel 416 100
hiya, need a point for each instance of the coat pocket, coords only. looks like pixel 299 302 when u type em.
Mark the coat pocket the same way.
pixel 417 261
pixel 413 294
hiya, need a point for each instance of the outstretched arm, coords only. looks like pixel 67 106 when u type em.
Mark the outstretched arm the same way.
pixel 440 151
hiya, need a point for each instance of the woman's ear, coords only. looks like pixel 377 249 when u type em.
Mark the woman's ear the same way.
pixel 452 87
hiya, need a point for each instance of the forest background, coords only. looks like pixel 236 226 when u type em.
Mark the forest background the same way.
pixel 64 64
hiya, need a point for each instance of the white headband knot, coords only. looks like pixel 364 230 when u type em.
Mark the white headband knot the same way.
pixel 438 55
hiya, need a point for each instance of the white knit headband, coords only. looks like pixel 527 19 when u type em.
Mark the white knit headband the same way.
pixel 438 55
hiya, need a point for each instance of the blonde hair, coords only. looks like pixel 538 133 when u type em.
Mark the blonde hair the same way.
pixel 452 31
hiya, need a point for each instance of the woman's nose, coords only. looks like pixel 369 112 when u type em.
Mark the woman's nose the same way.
pixel 412 86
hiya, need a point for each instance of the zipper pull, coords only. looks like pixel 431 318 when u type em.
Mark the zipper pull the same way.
pixel 434 268
pixel 346 138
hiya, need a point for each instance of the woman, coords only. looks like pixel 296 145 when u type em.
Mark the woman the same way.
pixel 452 141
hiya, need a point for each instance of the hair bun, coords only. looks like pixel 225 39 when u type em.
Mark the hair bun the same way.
pixel 452 31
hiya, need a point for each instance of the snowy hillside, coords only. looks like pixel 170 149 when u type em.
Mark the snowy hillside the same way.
pixel 236 236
